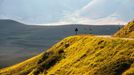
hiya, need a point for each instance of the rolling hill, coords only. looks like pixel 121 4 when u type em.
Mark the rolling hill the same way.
pixel 127 31
pixel 19 42
pixel 81 55
pixel 78 55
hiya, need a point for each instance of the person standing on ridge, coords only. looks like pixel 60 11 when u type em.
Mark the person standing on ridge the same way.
pixel 76 30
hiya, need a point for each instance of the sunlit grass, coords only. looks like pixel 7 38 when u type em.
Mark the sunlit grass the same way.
pixel 81 55
pixel 127 31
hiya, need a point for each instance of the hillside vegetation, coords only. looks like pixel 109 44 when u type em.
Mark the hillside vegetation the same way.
pixel 127 31
pixel 81 55
pixel 30 40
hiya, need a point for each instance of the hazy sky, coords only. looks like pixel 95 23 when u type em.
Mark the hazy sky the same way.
pixel 46 11
pixel 67 11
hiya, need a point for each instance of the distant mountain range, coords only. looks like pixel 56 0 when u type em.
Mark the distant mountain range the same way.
pixel 83 55
pixel 19 41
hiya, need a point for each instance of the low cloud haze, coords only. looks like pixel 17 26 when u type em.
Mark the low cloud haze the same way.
pixel 47 12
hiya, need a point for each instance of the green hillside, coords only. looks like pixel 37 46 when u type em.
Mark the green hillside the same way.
pixel 81 55
pixel 127 31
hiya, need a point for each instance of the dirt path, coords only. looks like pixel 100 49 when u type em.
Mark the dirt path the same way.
pixel 108 36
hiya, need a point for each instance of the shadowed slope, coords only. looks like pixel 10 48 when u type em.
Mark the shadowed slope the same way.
pixel 19 42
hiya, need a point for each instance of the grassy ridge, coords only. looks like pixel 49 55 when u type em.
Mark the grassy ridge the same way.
pixel 127 31
pixel 21 68
pixel 82 54
pixel 97 56
pixel 35 64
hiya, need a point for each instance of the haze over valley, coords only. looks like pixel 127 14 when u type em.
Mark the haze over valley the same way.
pixel 66 37
pixel 19 42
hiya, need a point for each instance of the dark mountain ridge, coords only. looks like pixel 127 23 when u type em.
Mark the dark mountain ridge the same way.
pixel 19 41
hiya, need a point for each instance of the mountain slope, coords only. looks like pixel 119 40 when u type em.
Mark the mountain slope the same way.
pixel 81 54
pixel 127 31
pixel 29 40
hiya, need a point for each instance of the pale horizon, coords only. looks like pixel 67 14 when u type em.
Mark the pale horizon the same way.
pixel 61 12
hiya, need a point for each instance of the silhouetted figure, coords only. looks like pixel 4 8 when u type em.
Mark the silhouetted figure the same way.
pixel 76 30
pixel 90 30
